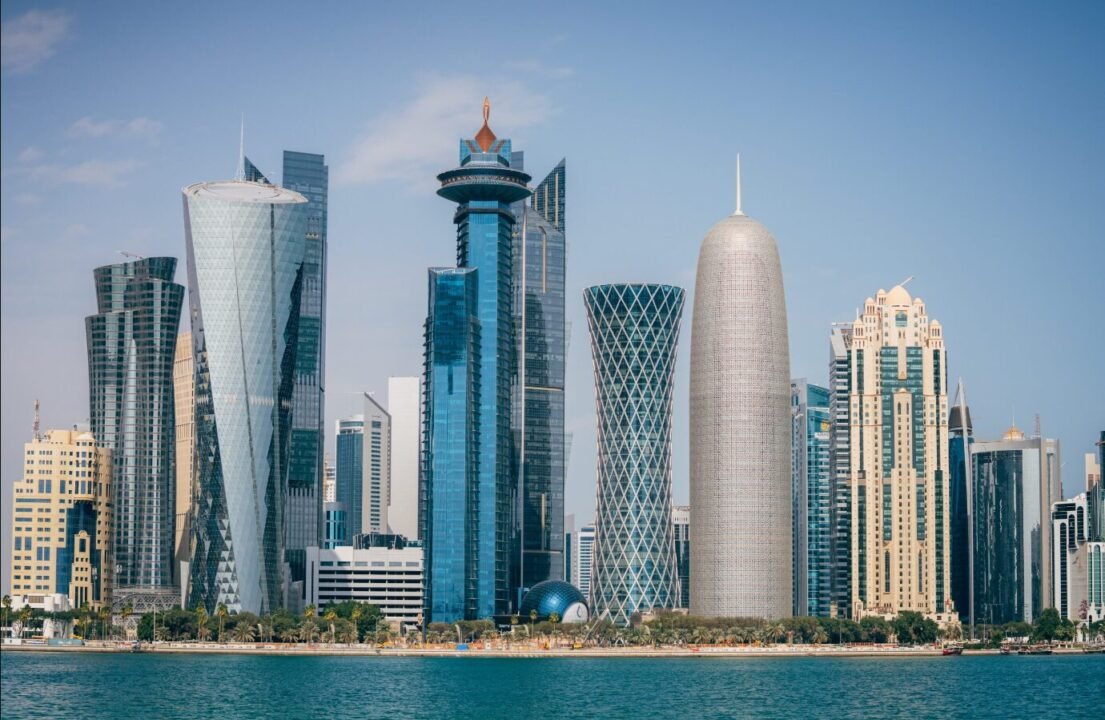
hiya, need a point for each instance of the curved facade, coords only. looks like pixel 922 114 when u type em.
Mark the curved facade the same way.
pixel 634 332
pixel 740 427
pixel 554 596
pixel 245 272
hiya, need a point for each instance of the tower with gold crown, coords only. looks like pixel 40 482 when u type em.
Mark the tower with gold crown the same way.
pixel 470 364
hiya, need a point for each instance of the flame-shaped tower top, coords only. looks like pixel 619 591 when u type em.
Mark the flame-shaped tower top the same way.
pixel 485 138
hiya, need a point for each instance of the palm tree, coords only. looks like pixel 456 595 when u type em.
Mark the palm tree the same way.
pixel 356 615
pixel 331 617
pixel 125 613
pixel 24 618
pixel 105 616
pixel 201 622
pixel 820 636
pixel 7 605
pixel 243 632
pixel 221 612
pixel 289 636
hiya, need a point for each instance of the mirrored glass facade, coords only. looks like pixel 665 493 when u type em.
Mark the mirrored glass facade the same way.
pixel 245 272
pixel 449 497
pixel 634 332
pixel 811 475
pixel 539 275
pixel 131 343
pixel 349 482
pixel 308 174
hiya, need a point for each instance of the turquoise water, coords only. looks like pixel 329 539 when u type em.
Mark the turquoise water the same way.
pixel 107 686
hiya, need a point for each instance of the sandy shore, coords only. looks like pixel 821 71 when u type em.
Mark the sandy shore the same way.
pixel 523 651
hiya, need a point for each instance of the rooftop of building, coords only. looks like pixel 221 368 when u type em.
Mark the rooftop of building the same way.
pixel 243 191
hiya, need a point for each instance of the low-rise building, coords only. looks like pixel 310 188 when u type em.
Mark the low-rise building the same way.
pixel 391 579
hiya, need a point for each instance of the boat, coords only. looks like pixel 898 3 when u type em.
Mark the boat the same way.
pixel 953 650
pixel 1035 650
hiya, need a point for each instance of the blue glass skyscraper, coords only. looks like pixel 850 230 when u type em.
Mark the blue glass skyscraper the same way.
pixel 448 512
pixel 960 440
pixel 811 474
pixel 349 480
pixel 484 186
pixel 539 276
pixel 634 332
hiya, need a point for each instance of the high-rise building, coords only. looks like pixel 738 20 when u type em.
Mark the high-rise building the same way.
pixel 335 525
pixel 449 500
pixel 740 426
pixel 1078 562
pixel 899 468
pixel 1010 505
pixel 811 482
pixel 377 467
pixel 404 396
pixel 308 175
pixel 634 331
pixel 131 344
pixel 246 276
pixel 681 528
pixel 61 520
pixel 539 334
pixel 584 559
pixel 330 482
pixel 840 460
pixel 960 479
pixel 349 481
pixel 184 398
pixel 1092 470
pixel 569 545
pixel 481 291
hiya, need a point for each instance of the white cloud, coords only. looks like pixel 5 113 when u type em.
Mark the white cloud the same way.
pixel 140 127
pixel 30 154
pixel 411 143
pixel 107 173
pixel 32 37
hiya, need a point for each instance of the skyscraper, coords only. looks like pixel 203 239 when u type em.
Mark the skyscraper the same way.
pixel 184 397
pixel 840 459
pixel 634 332
pixel 681 526
pixel 899 469
pixel 539 274
pixel 449 500
pixel 1078 562
pixel 245 273
pixel 131 344
pixel 740 426
pixel 584 561
pixel 484 187
pixel 811 482
pixel 1011 503
pixel 308 174
pixel 960 478
pixel 349 482
pixel 377 467
pixel 403 406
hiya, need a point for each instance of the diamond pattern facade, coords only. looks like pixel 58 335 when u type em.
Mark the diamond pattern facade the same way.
pixel 245 270
pixel 634 331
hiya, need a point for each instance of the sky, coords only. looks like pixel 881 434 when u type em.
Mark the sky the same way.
pixel 957 143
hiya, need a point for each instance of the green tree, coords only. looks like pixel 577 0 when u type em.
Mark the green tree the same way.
pixel 6 603
pixel 222 613
pixel 243 632
pixel 201 622
pixel 877 630
pixel 1047 626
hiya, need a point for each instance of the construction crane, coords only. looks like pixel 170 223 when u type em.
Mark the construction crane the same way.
pixel 129 254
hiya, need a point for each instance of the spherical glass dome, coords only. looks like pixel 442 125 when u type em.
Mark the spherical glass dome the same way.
pixel 555 596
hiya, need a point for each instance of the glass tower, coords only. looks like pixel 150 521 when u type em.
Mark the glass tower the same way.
pixel 449 518
pixel 131 345
pixel 245 272
pixel 308 175
pixel 811 480
pixel 634 331
pixel 960 441
pixel 484 187
pixel 539 274
pixel 840 389
pixel 349 482
pixel 681 525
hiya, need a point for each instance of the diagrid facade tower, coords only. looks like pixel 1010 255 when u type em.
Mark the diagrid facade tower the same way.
pixel 740 426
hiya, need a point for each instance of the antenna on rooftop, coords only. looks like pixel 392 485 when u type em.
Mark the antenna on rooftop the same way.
pixel 905 282
pixel 36 427
pixel 738 210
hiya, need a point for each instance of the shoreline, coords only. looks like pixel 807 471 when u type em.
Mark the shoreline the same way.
pixel 320 650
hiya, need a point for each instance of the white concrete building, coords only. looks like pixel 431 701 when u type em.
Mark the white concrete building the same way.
pixel 390 579
pixel 377 467
pixel 404 397
pixel 581 564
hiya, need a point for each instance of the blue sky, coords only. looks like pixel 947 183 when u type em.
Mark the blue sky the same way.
pixel 960 143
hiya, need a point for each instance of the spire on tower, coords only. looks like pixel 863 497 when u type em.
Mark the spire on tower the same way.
pixel 738 210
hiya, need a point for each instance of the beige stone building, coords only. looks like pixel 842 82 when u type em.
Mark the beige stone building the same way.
pixel 184 396
pixel 61 520
pixel 899 459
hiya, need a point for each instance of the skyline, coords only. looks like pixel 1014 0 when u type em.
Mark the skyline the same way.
pixel 813 179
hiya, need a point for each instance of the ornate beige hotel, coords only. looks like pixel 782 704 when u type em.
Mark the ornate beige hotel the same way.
pixel 61 521
pixel 899 459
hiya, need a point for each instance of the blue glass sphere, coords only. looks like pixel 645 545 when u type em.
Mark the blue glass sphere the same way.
pixel 554 596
